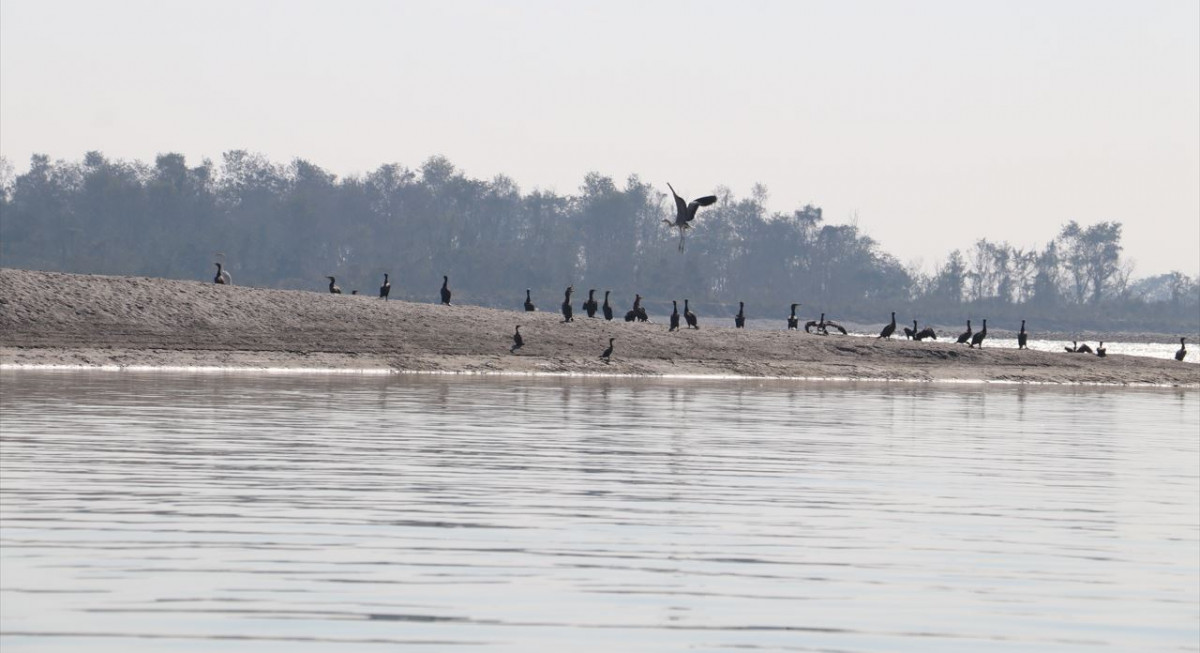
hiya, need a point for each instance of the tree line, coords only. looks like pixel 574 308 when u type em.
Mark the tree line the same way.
pixel 290 225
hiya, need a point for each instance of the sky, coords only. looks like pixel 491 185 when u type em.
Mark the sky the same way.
pixel 930 124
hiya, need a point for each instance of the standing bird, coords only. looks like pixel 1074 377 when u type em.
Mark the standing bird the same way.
pixel 909 333
pixel 977 339
pixel 689 316
pixel 674 315
pixel 1179 355
pixel 607 308
pixel 607 353
pixel 1022 337
pixel 1083 349
pixel 818 324
pixel 518 341
pixel 590 306
pixel 633 312
pixel 793 322
pixel 965 336
pixel 445 290
pixel 386 288
pixel 739 320
pixel 333 286
pixel 889 329
pixel 568 315
pixel 685 212
pixel 529 307
pixel 222 277
pixel 1101 351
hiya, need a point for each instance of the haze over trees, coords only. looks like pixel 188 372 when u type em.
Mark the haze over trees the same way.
pixel 289 226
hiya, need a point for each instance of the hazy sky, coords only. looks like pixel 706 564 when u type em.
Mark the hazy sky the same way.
pixel 935 123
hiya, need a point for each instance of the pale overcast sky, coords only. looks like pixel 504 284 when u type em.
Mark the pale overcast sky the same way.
pixel 934 122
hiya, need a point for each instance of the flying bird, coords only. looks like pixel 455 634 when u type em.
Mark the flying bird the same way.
pixel 685 212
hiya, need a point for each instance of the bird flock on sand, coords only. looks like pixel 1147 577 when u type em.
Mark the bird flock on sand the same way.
pixel 684 215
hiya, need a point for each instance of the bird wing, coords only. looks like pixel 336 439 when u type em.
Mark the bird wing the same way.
pixel 681 207
pixel 695 205
pixel 836 326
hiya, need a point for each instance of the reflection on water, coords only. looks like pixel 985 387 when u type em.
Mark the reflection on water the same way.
pixel 155 511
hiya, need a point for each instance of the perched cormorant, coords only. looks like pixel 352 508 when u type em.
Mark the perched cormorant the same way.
pixel 518 341
pixel 793 322
pixel 637 312
pixel 818 324
pixel 386 288
pixel 333 286
pixel 590 307
pixel 222 277
pixel 674 315
pixel 529 307
pixel 608 314
pixel 965 336
pixel 1083 349
pixel 1073 348
pixel 889 329
pixel 1100 350
pixel 909 333
pixel 1022 337
pixel 445 290
pixel 927 332
pixel 568 315
pixel 685 212
pixel 977 339
pixel 1179 355
pixel 739 320
pixel 607 353
pixel 689 316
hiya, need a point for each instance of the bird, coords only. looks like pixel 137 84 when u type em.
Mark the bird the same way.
pixel 909 333
pixel 222 277
pixel 739 320
pixel 685 212
pixel 1101 351
pixel 965 336
pixel 568 315
pixel 518 341
pixel 689 316
pixel 529 307
pixel 889 329
pixel 386 288
pixel 1073 348
pixel 825 325
pixel 674 315
pixel 1179 355
pixel 590 305
pixel 445 290
pixel 1022 337
pixel 927 332
pixel 1083 349
pixel 977 339
pixel 793 322
pixel 333 286
pixel 607 353
pixel 608 314
pixel 637 312
pixel 818 324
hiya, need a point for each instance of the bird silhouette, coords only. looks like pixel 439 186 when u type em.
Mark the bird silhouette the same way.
pixel 590 307
pixel 1101 351
pixel 689 316
pixel 568 315
pixel 1179 355
pixel 529 302
pixel 965 336
pixel 1022 337
pixel 685 212
pixel 607 353
pixel 518 341
pixel 386 288
pixel 607 308
pixel 222 277
pixel 977 339
pixel 793 322
pixel 888 330
pixel 674 315
pixel 739 320
pixel 333 288
pixel 445 290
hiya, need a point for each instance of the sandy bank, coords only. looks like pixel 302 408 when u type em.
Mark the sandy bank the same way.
pixel 51 318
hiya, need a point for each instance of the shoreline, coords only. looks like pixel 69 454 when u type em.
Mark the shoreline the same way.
pixel 81 322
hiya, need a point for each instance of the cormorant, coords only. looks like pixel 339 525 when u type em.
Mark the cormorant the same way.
pixel 889 329
pixel 826 324
pixel 1073 348
pixel 608 314
pixel 1022 337
pixel 529 307
pixel 333 287
pixel 1100 350
pixel 607 353
pixel 739 320
pixel 977 339
pixel 1083 349
pixel 568 315
pixel 590 306
pixel 927 332
pixel 634 312
pixel 386 288
pixel 1179 355
pixel 793 322
pixel 909 333
pixel 674 315
pixel 518 341
pixel 222 277
pixel 685 212
pixel 689 316
pixel 445 290
pixel 965 336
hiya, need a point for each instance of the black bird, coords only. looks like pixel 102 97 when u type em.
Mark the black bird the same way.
pixel 529 307
pixel 927 332
pixel 635 312
pixel 818 324
pixel 1083 349
pixel 965 336
pixel 518 341
pixel 739 320
pixel 977 339
pixel 689 316
pixel 827 324
pixel 909 333
pixel 793 322
pixel 568 315
pixel 353 292
pixel 889 329
pixel 674 315
pixel 222 277
pixel 445 290
pixel 1101 351
pixel 685 212
pixel 386 288
pixel 607 353
pixel 608 314
pixel 1179 355
pixel 590 307
pixel 1073 348
pixel 333 286
pixel 1022 337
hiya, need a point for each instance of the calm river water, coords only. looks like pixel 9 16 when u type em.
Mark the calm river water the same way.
pixel 158 511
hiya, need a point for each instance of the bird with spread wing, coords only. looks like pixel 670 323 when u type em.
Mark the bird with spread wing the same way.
pixel 685 212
